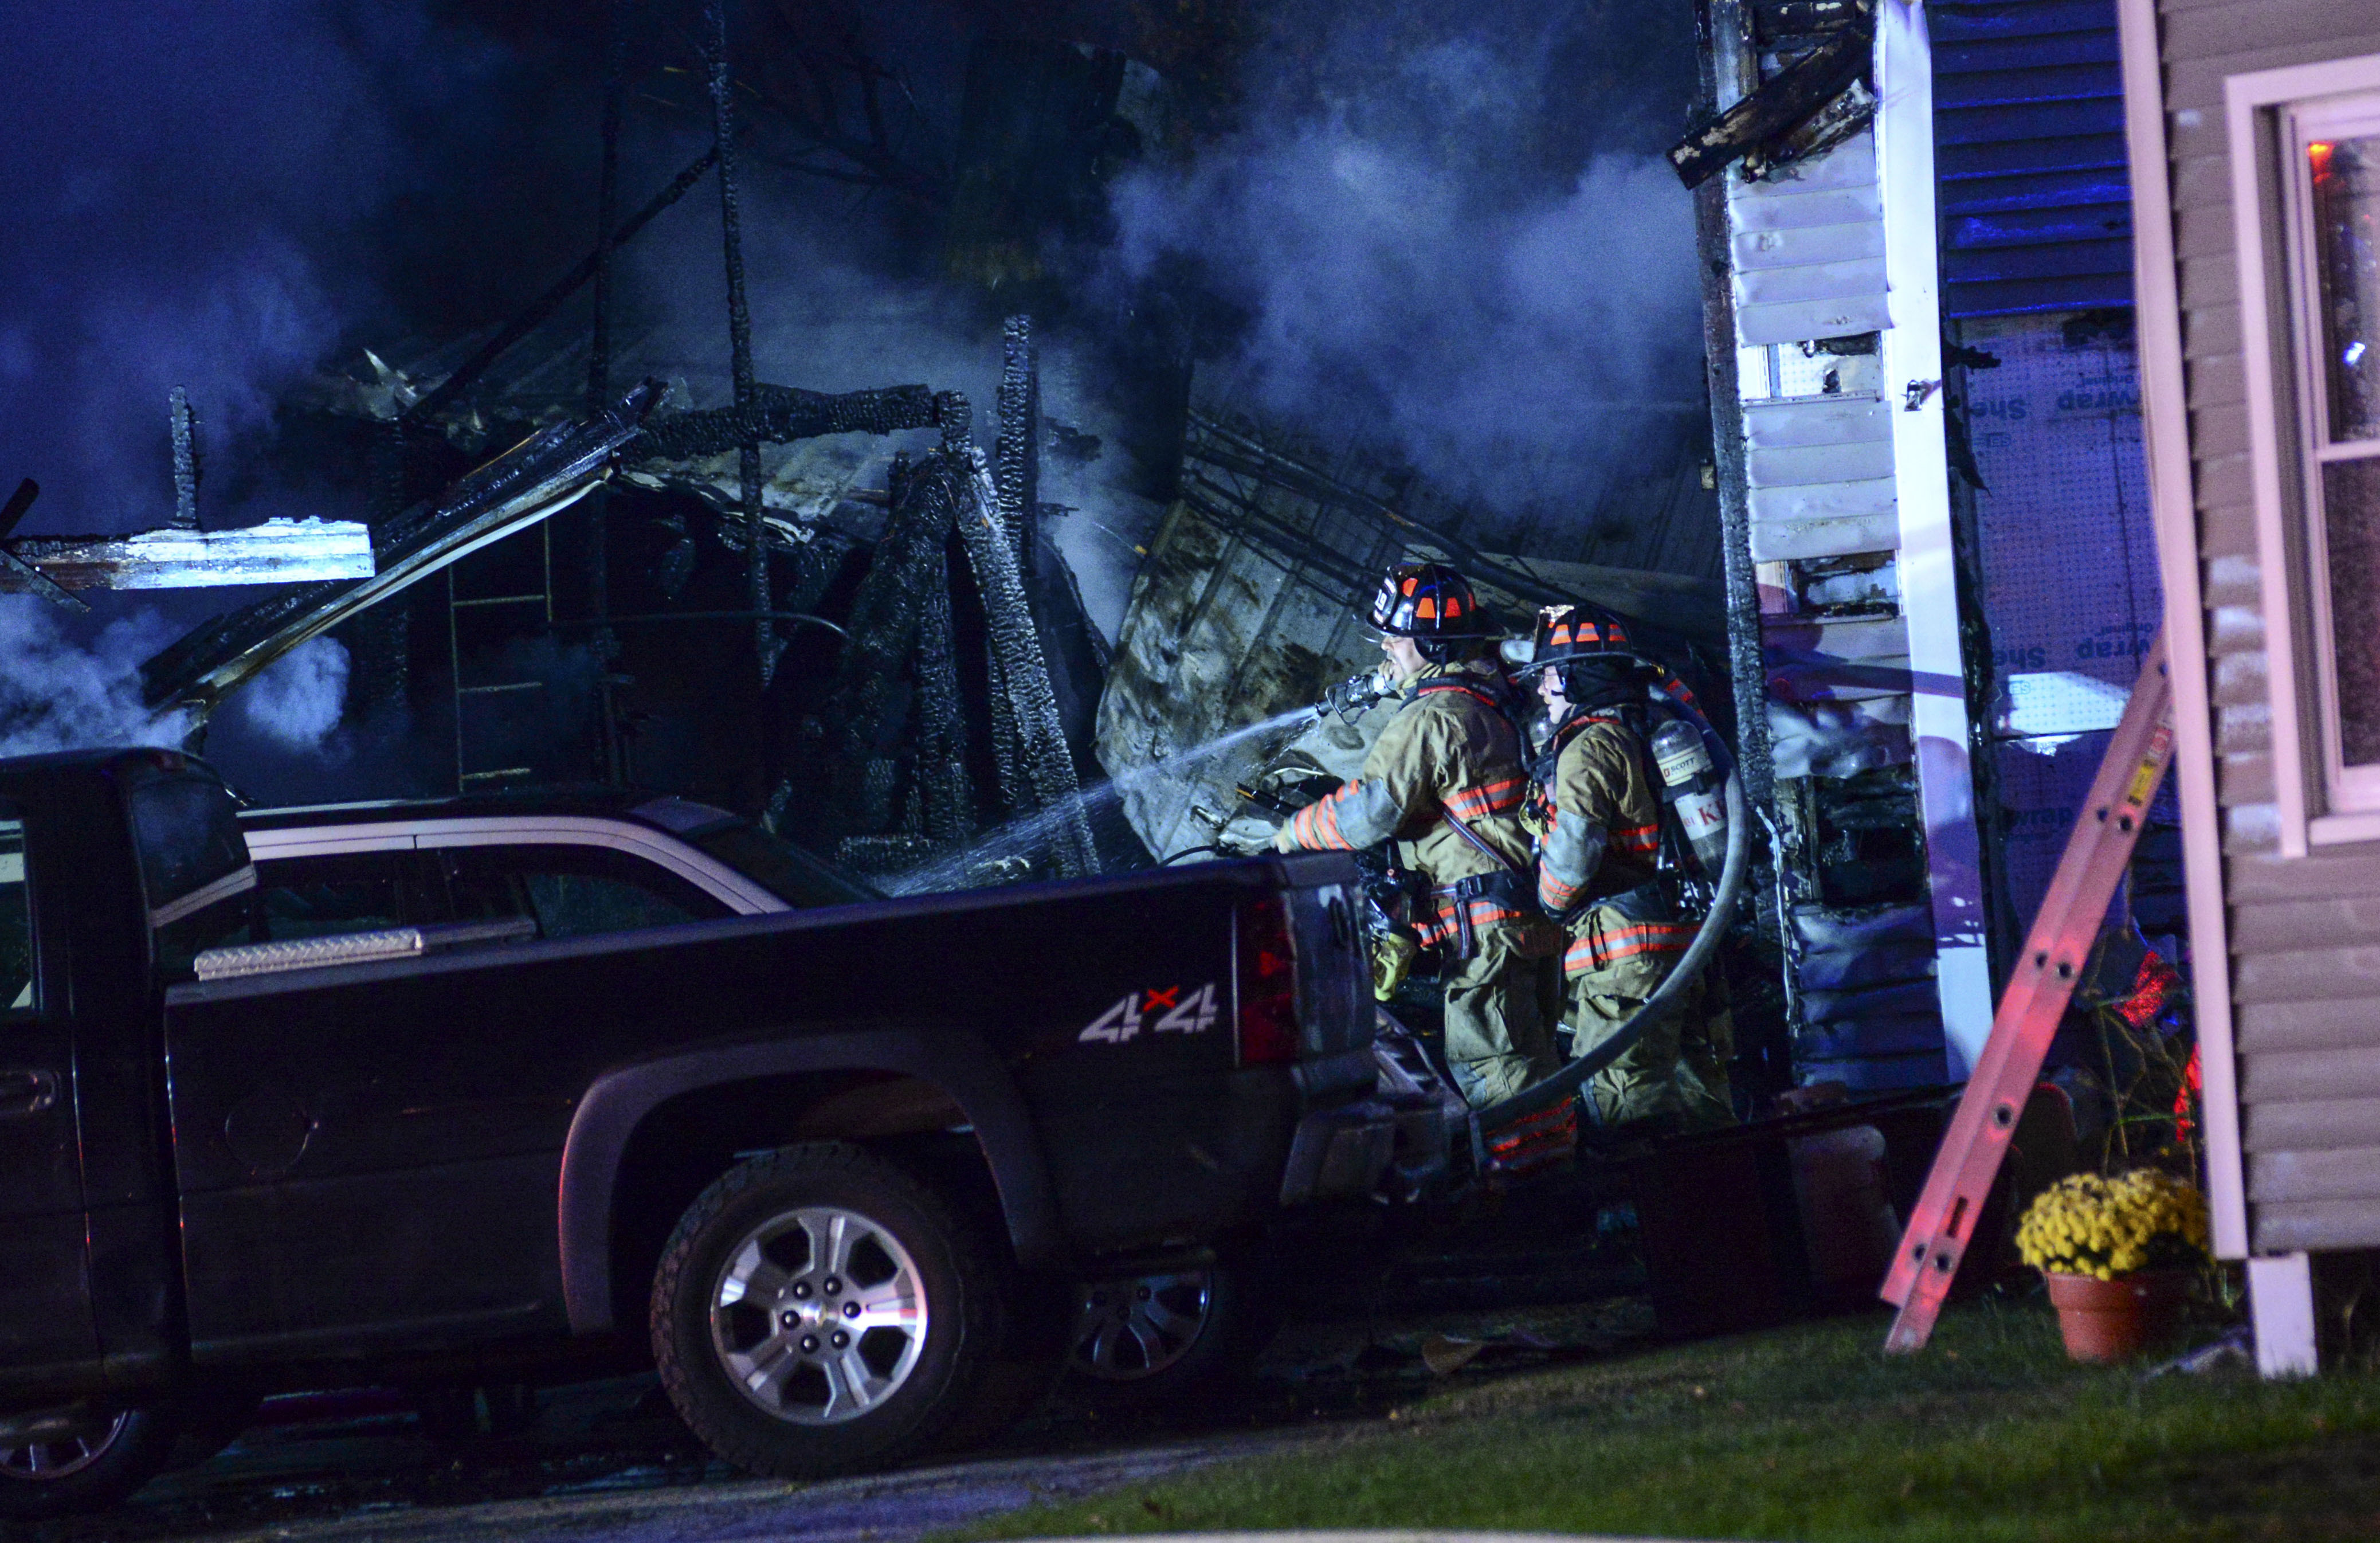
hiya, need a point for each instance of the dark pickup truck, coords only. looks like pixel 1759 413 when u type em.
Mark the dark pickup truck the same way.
pixel 453 1097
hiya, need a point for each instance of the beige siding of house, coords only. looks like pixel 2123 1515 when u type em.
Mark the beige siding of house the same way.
pixel 2304 933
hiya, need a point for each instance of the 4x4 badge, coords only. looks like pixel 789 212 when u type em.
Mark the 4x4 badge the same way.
pixel 1193 1013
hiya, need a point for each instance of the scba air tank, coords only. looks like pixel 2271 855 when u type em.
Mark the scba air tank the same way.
pixel 1692 784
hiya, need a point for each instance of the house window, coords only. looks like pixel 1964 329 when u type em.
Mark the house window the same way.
pixel 2305 164
pixel 2335 159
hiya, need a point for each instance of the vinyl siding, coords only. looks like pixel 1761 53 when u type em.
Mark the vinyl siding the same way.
pixel 2304 933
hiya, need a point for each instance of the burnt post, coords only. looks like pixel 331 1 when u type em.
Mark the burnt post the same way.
pixel 1727 71
pixel 185 460
pixel 604 641
pixel 1016 459
pixel 739 332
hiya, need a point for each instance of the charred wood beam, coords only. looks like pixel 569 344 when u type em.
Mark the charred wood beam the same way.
pixel 544 473
pixel 777 414
pixel 887 610
pixel 765 644
pixel 1016 461
pixel 520 326
pixel 1047 762
pixel 186 459
pixel 14 572
pixel 943 782
pixel 278 551
pixel 18 503
pixel 1774 111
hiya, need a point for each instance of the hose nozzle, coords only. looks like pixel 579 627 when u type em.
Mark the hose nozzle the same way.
pixel 1352 696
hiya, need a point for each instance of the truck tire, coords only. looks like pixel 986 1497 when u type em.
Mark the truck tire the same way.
pixel 1149 1342
pixel 819 1310
pixel 88 1472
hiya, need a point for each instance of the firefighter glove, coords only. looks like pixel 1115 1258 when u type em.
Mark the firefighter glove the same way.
pixel 1393 959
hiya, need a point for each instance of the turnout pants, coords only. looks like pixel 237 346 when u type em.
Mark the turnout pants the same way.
pixel 1677 1070
pixel 1502 1006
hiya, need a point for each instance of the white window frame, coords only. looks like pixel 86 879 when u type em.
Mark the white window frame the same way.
pixel 2271 114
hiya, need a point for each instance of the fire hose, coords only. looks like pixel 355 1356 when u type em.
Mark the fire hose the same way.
pixel 1548 1094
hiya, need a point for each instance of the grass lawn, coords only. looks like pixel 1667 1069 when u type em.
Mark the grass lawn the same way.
pixel 1813 1433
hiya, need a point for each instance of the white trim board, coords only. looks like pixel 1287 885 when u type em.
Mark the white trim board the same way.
pixel 2165 418
pixel 1911 388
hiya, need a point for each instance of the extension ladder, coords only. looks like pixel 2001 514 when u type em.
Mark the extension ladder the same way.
pixel 2038 991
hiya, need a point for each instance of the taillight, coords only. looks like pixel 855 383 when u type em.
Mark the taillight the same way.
pixel 1268 969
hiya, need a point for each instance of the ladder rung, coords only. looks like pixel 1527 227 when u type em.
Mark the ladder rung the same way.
pixel 503 600
pixel 485 776
pixel 486 690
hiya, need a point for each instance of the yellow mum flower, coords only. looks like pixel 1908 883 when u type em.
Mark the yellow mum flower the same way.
pixel 2090 1225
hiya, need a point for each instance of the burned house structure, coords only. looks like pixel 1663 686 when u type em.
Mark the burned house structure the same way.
pixel 1905 541
pixel 1918 303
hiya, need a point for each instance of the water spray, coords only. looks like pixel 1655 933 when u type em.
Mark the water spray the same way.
pixel 994 859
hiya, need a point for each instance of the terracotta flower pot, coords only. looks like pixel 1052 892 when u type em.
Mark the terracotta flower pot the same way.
pixel 2115 1320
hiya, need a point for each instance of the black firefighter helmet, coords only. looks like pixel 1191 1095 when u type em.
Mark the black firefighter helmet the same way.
pixel 1567 634
pixel 1427 601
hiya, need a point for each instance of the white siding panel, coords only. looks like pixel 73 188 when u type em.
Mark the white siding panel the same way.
pixel 1828 501
pixel 2281 1075
pixel 1855 278
pixel 1837 206
pixel 1803 465
pixel 1832 420
pixel 2314 1124
pixel 2287 1227
pixel 1865 638
pixel 1804 245
pixel 1798 320
pixel 2345 1173
pixel 1777 541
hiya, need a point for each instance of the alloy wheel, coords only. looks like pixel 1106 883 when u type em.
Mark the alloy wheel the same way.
pixel 819 1314
pixel 1132 1328
pixel 45 1461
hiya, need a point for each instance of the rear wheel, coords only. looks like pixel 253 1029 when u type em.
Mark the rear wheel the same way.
pixel 820 1310
pixel 82 1462
pixel 1149 1340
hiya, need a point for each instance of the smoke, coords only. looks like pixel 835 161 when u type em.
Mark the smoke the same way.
pixel 57 694
pixel 297 702
pixel 211 195
pixel 1435 252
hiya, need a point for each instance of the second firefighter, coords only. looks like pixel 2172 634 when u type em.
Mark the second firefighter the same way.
pixel 1446 777
pixel 1597 804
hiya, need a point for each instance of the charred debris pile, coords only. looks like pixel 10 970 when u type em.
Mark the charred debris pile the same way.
pixel 835 610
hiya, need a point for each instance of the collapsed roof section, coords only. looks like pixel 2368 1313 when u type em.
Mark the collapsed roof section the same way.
pixel 549 471
pixel 181 557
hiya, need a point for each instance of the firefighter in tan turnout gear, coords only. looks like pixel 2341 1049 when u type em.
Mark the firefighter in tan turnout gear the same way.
pixel 1446 777
pixel 1597 802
